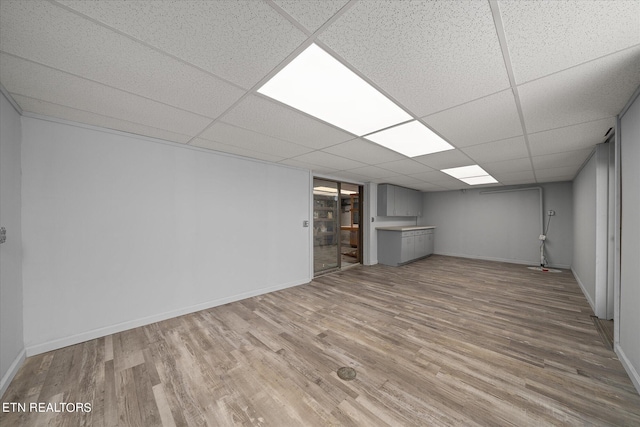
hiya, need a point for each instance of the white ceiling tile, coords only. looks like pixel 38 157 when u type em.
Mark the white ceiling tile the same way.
pixel 548 36
pixel 80 116
pixel 518 181
pixel 311 14
pixel 455 184
pixel 506 149
pixel 249 140
pixel 326 160
pixel 567 159
pixel 427 55
pixel 426 187
pixel 406 166
pixel 364 151
pixel 592 91
pixel 373 172
pixel 232 149
pixel 240 41
pixel 506 166
pixel 515 177
pixel 404 181
pixel 570 138
pixel 36 81
pixel 445 159
pixel 431 176
pixel 352 177
pixel 321 170
pixel 558 173
pixel 61 39
pixel 273 119
pixel 487 119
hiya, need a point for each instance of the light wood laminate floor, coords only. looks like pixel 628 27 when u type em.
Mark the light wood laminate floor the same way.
pixel 442 341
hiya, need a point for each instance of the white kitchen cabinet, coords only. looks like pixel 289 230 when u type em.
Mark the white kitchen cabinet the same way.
pixel 398 201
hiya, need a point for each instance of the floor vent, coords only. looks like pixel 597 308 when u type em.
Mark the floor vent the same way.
pixel 346 373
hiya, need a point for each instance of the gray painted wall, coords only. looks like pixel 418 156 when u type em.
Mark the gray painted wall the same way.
pixel 502 226
pixel 629 339
pixel 584 225
pixel 11 318
pixel 121 231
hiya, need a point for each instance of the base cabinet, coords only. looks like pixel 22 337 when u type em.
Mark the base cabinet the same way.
pixel 401 247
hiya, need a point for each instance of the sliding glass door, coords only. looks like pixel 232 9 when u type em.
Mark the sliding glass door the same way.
pixel 336 221
pixel 326 229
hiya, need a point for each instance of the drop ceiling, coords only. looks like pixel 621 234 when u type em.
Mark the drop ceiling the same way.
pixel 525 89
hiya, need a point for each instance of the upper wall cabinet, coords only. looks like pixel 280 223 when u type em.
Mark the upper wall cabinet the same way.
pixel 398 201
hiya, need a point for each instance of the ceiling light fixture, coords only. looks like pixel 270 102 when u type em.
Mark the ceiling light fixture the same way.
pixel 472 175
pixel 318 84
pixel 332 191
pixel 411 139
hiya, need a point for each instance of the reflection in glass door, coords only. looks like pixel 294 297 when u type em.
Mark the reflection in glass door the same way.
pixel 326 229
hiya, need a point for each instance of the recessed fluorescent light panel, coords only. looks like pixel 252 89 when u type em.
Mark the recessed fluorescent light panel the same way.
pixel 319 85
pixel 411 139
pixel 331 191
pixel 472 175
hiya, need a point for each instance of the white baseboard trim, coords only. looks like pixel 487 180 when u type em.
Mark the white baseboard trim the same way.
pixel 13 370
pixel 631 370
pixel 584 290
pixel 510 261
pixel 55 344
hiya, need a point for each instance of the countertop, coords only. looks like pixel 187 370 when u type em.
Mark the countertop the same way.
pixel 407 228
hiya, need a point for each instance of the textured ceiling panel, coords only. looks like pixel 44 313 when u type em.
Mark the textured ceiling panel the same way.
pixel 488 119
pixel 548 36
pixel 506 166
pixel 429 187
pixel 80 116
pixel 431 176
pixel 514 177
pixel 428 55
pixel 60 39
pixel 311 13
pixel 570 138
pixel 567 159
pixel 445 159
pixel 39 82
pixel 364 151
pixel 507 149
pixel 249 140
pixel 596 90
pixel 374 172
pixel 273 119
pixel 403 180
pixel 232 149
pixel 405 166
pixel 326 160
pixel 561 172
pixel 353 177
pixel 304 165
pixel 240 41
pixel 171 69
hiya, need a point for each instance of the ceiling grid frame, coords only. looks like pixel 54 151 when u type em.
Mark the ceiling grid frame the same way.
pixel 549 143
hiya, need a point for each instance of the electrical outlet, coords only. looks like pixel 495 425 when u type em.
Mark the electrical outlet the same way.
pixel 551 213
